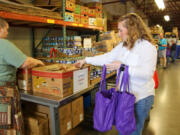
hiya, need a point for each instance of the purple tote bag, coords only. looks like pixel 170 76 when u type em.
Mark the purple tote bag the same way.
pixel 125 121
pixel 105 105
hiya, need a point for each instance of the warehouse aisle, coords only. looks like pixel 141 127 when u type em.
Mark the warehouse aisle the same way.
pixel 164 117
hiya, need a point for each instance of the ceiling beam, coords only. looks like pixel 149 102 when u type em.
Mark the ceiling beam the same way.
pixel 111 2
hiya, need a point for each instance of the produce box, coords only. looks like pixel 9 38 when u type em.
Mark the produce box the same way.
pixel 56 79
pixel 77 111
pixel 65 115
pixel 92 21
pixel 85 20
pixel 77 18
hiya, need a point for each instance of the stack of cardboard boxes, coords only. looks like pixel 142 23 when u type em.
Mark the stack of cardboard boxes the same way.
pixel 108 41
pixel 77 12
pixel 70 115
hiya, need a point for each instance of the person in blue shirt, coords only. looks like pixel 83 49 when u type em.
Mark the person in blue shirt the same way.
pixel 162 50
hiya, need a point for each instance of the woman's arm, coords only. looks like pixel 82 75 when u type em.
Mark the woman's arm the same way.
pixel 31 62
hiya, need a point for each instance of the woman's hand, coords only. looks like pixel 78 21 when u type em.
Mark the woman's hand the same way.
pixel 31 62
pixel 80 63
pixel 113 66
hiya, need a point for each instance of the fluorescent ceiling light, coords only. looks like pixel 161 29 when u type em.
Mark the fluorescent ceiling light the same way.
pixel 166 18
pixel 160 4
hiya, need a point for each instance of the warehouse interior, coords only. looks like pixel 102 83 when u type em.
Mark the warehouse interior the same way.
pixel 62 32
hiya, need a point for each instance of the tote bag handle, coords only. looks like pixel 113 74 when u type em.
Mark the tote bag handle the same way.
pixel 103 78
pixel 125 80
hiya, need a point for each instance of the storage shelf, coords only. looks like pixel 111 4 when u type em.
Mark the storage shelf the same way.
pixel 30 18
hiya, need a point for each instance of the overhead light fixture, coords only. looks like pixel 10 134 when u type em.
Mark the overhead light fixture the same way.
pixel 166 18
pixel 160 4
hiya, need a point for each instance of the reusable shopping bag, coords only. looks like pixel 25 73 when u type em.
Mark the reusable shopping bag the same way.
pixel 105 103
pixel 125 121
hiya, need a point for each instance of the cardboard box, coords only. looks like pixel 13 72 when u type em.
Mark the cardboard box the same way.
pixel 77 111
pixel 98 14
pixel 92 13
pixel 24 77
pixel 92 21
pixel 36 125
pixel 56 79
pixel 99 22
pixel 109 35
pixel 69 17
pixel 94 5
pixel 84 10
pixel 81 79
pixel 87 43
pixel 104 46
pixel 85 20
pixel 77 18
pixel 70 6
pixel 65 115
pixel 77 9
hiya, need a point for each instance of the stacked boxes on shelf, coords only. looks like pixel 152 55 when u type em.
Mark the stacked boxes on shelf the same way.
pixel 98 8
pixel 77 12
pixel 95 13
pixel 107 42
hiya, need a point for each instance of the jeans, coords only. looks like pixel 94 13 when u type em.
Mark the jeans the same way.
pixel 173 55
pixel 142 109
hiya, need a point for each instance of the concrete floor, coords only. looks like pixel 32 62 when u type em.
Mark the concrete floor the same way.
pixel 165 115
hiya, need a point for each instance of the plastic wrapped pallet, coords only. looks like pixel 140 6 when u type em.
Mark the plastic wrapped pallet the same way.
pixel 104 46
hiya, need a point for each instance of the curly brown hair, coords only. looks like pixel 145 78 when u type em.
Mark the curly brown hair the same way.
pixel 3 23
pixel 137 29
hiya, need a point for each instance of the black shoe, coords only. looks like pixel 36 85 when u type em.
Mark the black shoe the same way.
pixel 164 67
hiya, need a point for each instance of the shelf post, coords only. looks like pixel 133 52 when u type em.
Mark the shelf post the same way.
pixel 33 43
pixel 64 27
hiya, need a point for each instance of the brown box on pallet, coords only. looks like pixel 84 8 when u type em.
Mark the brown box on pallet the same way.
pixel 77 111
pixel 65 115
pixel 24 77
pixel 36 125
pixel 104 46
pixel 56 79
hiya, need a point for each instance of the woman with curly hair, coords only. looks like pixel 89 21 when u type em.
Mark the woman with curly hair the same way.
pixel 138 52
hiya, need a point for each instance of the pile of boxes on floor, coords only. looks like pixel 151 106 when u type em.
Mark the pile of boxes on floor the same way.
pixel 59 80
pixel 38 121
pixel 78 12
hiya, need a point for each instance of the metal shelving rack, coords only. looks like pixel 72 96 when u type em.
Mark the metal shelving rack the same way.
pixel 52 103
